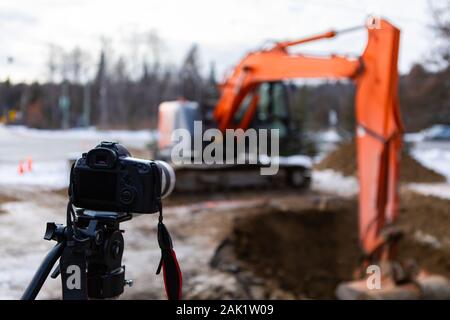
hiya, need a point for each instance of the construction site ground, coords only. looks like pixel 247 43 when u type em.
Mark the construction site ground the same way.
pixel 255 244
pixel 248 245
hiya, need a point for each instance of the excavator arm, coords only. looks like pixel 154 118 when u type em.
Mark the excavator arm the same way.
pixel 379 126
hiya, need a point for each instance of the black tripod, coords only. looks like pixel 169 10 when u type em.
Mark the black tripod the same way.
pixel 90 249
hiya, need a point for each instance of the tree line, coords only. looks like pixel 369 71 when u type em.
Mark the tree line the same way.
pixel 125 91
pixel 122 92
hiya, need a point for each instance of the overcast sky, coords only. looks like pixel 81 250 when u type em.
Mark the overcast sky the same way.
pixel 224 29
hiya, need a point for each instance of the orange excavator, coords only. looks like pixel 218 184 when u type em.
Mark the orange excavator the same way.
pixel 379 126
pixel 378 122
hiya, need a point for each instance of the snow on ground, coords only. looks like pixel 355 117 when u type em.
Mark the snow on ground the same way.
pixel 330 181
pixel 137 138
pixel 434 155
pixel 49 175
pixel 330 135
pixel 437 159
pixel 440 190
pixel 23 226
pixel 50 151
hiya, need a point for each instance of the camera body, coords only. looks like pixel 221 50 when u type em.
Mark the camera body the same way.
pixel 108 178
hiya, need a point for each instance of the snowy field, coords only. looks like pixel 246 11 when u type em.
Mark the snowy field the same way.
pixel 50 151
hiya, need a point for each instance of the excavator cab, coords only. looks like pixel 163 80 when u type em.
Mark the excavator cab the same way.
pixel 274 111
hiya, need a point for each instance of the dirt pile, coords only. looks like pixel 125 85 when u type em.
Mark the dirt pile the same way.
pixel 343 159
pixel 308 251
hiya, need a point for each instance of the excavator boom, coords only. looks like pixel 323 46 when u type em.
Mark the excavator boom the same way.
pixel 379 126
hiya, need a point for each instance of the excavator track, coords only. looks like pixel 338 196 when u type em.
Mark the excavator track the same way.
pixel 197 178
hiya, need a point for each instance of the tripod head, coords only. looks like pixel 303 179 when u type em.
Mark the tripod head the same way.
pixel 91 261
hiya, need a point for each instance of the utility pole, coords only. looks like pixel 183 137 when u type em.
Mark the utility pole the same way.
pixel 103 94
pixel 64 105
pixel 87 104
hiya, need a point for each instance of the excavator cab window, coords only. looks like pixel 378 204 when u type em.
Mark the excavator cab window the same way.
pixel 272 111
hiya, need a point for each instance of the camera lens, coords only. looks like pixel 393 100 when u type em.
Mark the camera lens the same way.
pixel 167 178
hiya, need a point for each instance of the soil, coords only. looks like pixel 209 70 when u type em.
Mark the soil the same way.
pixel 5 199
pixel 308 249
pixel 426 224
pixel 343 159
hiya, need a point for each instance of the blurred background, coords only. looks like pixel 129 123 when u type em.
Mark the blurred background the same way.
pixel 74 73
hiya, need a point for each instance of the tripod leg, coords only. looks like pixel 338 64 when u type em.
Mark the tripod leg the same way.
pixel 42 273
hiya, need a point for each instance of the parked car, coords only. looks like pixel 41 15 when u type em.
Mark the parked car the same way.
pixel 438 132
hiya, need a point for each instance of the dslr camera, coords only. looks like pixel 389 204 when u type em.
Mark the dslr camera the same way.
pixel 108 178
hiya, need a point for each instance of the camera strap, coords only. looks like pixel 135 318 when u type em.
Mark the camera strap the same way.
pixel 173 278
pixel 169 263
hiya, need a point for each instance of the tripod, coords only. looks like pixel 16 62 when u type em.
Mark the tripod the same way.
pixel 90 250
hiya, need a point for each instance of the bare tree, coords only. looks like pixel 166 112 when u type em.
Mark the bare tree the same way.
pixel 53 59
pixel 77 64
pixel 191 81
pixel 119 82
pixel 155 47
pixel 440 13
pixel 102 82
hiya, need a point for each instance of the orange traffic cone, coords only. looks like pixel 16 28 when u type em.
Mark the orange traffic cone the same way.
pixel 30 164
pixel 20 169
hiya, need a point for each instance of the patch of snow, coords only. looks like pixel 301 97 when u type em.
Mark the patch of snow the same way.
pixel 437 159
pixel 437 131
pixel 427 239
pixel 414 137
pixel 299 159
pixel 330 135
pixel 331 181
pixel 440 190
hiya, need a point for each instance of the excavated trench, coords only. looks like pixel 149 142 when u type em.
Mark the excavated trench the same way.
pixel 309 250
